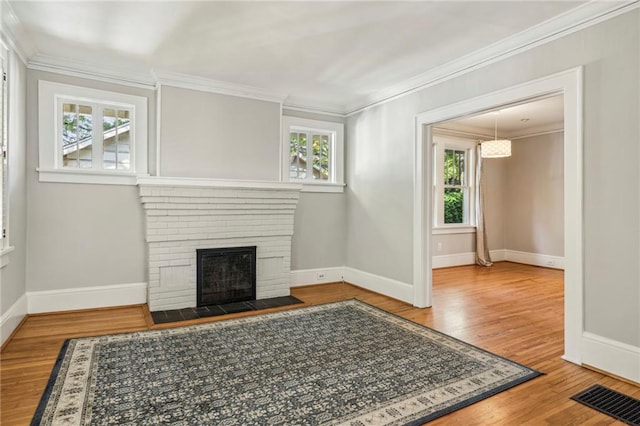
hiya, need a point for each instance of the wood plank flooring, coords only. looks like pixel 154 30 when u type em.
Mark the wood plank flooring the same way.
pixel 512 310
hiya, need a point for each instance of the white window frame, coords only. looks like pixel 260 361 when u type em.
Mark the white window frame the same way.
pixel 50 96
pixel 440 144
pixel 336 153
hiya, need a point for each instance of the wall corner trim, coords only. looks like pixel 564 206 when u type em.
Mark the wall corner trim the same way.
pixel 11 319
pixel 86 297
pixel 609 355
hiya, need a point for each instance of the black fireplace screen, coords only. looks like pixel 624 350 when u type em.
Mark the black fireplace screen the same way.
pixel 226 275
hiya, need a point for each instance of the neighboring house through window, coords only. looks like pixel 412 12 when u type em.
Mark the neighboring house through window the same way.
pixel 454 183
pixel 313 154
pixel 91 136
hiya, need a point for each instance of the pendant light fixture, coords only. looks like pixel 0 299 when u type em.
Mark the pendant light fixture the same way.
pixel 497 148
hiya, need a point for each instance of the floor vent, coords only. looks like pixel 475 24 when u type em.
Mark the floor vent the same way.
pixel 615 404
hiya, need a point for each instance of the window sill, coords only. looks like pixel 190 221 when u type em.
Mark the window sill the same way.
pixel 104 177
pixel 321 187
pixel 4 259
pixel 442 230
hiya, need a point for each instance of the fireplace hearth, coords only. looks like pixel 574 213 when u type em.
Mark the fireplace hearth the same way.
pixel 226 275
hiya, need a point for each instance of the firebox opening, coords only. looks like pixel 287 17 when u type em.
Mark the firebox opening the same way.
pixel 226 275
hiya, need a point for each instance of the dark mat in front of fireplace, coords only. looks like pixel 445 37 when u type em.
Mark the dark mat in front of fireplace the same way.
pixel 174 315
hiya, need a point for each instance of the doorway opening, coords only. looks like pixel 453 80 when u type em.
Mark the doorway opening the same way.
pixel 569 85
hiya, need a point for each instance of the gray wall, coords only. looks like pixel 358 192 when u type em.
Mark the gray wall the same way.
pixel 209 135
pixel 81 235
pixel 92 235
pixel 533 216
pixel 319 235
pixel 319 231
pixel 496 208
pixel 13 276
pixel 380 171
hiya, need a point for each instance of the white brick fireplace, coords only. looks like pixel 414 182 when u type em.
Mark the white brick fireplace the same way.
pixel 183 215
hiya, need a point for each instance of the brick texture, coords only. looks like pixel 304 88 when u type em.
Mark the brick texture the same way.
pixel 180 220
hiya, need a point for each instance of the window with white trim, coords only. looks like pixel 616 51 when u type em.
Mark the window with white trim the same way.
pixel 91 136
pixel 313 154
pixel 454 185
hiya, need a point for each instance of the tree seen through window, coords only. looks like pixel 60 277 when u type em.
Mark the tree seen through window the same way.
pixel 454 186
pixel 301 143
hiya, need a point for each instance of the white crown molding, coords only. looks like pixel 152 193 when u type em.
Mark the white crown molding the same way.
pixel 11 29
pixel 455 129
pixel 135 78
pixel 7 42
pixel 308 105
pixel 576 19
pixel 538 131
pixel 583 16
pixel 202 84
pixel 307 109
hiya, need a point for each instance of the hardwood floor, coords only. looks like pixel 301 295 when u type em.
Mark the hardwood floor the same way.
pixel 512 310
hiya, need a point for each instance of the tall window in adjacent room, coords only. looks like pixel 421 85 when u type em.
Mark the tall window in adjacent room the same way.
pixel 454 187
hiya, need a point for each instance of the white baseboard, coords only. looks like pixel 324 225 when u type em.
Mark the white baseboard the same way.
pixel 536 259
pixel 611 356
pixel 379 284
pixel 461 259
pixel 86 297
pixel 556 262
pixel 302 277
pixel 12 318
pixel 498 255
pixel 449 260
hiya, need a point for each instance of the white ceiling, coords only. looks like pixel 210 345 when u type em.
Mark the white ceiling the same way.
pixel 334 56
pixel 537 116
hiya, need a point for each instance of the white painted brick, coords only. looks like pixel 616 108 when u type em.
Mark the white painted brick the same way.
pixel 174 256
pixel 181 220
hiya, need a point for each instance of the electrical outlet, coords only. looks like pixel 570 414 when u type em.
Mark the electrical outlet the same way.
pixel 439 246
pixel 320 276
pixel 551 263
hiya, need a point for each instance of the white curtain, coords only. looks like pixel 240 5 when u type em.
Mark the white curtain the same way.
pixel 483 258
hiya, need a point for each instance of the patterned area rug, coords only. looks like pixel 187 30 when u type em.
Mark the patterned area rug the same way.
pixel 345 363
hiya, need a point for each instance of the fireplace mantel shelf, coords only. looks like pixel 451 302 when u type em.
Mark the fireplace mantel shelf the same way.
pixel 217 183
